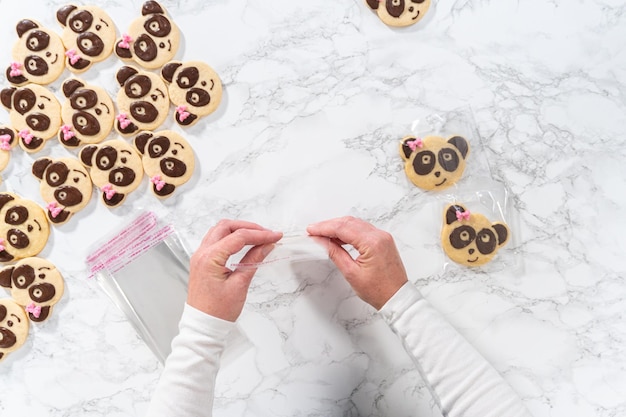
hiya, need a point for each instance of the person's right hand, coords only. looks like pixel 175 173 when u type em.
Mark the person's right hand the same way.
pixel 377 273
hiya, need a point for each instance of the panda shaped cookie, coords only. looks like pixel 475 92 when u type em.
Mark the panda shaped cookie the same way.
pixel 35 114
pixel 168 160
pixel 432 162
pixel 142 100
pixel 24 228
pixel 399 13
pixel 194 88
pixel 65 187
pixel 35 284
pixel 88 35
pixel 151 40
pixel 87 113
pixel 38 55
pixel 14 325
pixel 8 141
pixel 115 168
pixel 470 239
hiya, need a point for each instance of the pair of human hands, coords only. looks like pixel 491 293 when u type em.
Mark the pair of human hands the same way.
pixel 375 275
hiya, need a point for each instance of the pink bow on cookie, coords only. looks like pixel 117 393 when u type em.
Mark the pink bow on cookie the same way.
pixel 35 310
pixel 16 69
pixel 72 55
pixel 158 182
pixel 416 143
pixel 26 136
pixel 123 119
pixel 2 242
pixel 108 191
pixel 67 132
pixel 125 42
pixel 5 142
pixel 182 113
pixel 462 215
pixel 54 209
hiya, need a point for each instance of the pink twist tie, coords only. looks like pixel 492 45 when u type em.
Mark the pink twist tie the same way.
pixel 5 142
pixel 123 119
pixel 159 184
pixel 414 144
pixel 125 42
pixel 108 191
pixel 26 136
pixel 16 69
pixel 35 310
pixel 462 215
pixel 54 209
pixel 2 242
pixel 183 114
pixel 72 55
pixel 67 132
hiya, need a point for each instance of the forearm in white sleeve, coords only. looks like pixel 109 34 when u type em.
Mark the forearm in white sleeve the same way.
pixel 187 384
pixel 460 379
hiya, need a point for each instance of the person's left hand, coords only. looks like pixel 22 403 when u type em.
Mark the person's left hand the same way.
pixel 215 289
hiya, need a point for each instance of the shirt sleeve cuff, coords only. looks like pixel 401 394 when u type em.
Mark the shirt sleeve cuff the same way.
pixel 203 323
pixel 404 298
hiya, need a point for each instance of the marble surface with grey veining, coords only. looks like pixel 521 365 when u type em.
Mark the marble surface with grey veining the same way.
pixel 317 95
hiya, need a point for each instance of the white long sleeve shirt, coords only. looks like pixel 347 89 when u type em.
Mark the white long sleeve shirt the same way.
pixel 462 383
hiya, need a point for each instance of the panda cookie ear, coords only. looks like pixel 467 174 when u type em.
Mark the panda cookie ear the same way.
pixel 6 96
pixel 39 167
pixel 151 7
pixel 451 213
pixel 124 73
pixel 167 73
pixel 502 231
pixel 86 155
pixel 405 148
pixel 5 276
pixel 141 140
pixel 461 144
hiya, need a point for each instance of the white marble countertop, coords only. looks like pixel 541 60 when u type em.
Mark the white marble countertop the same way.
pixel 317 95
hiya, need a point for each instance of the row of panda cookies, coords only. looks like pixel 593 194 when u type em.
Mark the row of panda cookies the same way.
pixel 89 36
pixel 437 163
pixel 87 116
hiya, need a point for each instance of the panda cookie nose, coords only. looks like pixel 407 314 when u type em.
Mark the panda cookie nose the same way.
pixel 471 251
pixel 437 174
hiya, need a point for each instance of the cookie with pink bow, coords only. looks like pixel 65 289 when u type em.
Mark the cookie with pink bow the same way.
pixel 35 114
pixel 35 284
pixel 469 238
pixel 65 186
pixel 433 162
pixel 167 158
pixel 14 326
pixel 38 55
pixel 88 35
pixel 8 141
pixel 115 168
pixel 194 88
pixel 88 114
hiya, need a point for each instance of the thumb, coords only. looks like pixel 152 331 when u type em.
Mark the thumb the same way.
pixel 342 259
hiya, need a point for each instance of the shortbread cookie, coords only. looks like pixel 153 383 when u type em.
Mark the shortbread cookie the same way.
pixel 38 55
pixel 470 238
pixel 24 228
pixel 88 114
pixel 65 187
pixel 14 326
pixel 399 13
pixel 35 284
pixel 432 162
pixel 88 35
pixel 151 40
pixel 168 160
pixel 142 101
pixel 8 141
pixel 35 114
pixel 115 167
pixel 194 88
